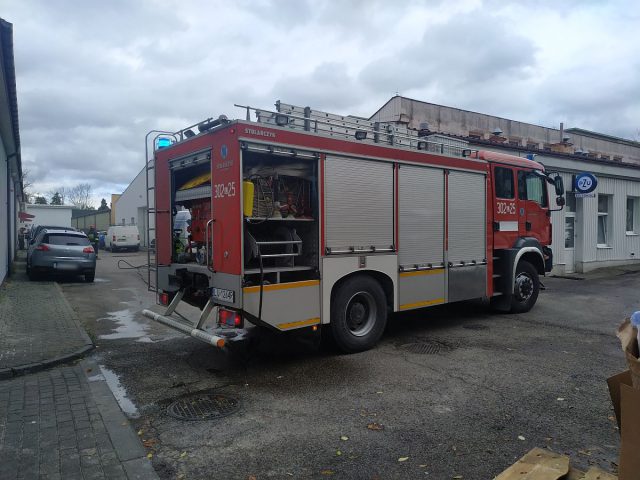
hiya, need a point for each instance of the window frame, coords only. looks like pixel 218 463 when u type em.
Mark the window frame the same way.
pixel 635 216
pixel 608 227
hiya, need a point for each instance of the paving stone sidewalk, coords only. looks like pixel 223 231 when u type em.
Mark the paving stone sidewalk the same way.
pixel 64 423
pixel 57 422
pixel 38 327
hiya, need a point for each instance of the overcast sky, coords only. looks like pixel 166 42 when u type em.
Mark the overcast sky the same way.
pixel 94 76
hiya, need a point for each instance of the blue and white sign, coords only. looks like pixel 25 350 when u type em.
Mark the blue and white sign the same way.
pixel 585 184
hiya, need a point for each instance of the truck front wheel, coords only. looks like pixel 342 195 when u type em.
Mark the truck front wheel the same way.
pixel 358 314
pixel 526 287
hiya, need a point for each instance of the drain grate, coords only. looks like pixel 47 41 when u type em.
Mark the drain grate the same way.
pixel 207 406
pixel 475 326
pixel 425 348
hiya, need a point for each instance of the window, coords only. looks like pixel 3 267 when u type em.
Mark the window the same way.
pixel 123 222
pixel 531 187
pixel 504 182
pixel 65 239
pixel 604 220
pixel 570 206
pixel 133 221
pixel 633 214
pixel 569 231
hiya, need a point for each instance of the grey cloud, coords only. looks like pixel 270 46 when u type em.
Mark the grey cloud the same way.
pixel 462 53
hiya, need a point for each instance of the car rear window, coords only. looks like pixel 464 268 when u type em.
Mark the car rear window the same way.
pixel 65 239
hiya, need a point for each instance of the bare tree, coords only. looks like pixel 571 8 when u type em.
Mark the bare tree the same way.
pixel 27 184
pixel 80 196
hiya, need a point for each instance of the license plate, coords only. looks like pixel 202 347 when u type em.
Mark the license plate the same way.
pixel 223 295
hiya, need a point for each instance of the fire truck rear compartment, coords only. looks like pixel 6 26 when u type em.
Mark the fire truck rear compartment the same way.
pixel 281 234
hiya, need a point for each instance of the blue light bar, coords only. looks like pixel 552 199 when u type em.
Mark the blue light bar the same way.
pixel 163 142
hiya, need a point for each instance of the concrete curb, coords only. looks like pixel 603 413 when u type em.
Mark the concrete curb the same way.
pixel 129 448
pixel 11 372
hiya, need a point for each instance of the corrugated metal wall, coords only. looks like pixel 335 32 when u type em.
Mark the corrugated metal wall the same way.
pixel 621 246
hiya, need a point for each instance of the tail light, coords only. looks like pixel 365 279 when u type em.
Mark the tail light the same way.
pixel 88 250
pixel 164 299
pixel 229 318
pixel 43 247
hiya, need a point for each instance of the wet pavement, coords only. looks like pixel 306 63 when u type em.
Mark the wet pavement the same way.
pixel 449 391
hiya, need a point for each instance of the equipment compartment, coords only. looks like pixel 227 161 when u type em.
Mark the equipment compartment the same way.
pixel 280 222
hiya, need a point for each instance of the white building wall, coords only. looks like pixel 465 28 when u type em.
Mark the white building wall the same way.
pixel 4 219
pixel 58 215
pixel 131 207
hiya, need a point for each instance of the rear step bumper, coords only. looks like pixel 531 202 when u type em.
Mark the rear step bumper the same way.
pixel 214 340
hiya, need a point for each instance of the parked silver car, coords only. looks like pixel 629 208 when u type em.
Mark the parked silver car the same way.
pixel 61 251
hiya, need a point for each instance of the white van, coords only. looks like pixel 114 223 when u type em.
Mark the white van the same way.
pixel 121 237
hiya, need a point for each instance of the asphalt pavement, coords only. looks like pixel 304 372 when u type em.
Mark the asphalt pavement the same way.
pixel 450 391
pixel 58 416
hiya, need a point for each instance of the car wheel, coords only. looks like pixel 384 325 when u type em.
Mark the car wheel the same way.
pixel 358 314
pixel 89 277
pixel 526 287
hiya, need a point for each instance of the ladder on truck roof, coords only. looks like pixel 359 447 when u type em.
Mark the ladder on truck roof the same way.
pixel 358 128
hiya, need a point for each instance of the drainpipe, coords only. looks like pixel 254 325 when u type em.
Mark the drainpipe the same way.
pixel 9 215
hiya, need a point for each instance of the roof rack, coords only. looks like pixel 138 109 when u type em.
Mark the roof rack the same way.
pixel 351 127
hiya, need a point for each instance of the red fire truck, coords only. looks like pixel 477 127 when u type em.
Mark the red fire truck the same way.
pixel 302 219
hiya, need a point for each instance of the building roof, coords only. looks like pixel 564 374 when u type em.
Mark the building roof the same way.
pixel 602 136
pixel 9 71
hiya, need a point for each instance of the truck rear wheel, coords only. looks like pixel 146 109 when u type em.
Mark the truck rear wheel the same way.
pixel 526 287
pixel 358 314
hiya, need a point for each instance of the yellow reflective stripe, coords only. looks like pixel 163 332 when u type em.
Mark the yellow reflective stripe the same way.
pixel 301 323
pixel 422 272
pixel 426 303
pixel 282 286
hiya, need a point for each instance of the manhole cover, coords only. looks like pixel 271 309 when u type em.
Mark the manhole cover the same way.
pixel 203 407
pixel 475 326
pixel 425 348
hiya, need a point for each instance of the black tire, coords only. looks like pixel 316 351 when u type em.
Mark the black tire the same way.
pixel 89 277
pixel 31 274
pixel 526 287
pixel 358 314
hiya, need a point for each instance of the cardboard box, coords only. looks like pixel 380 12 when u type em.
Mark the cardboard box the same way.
pixel 628 336
pixel 626 403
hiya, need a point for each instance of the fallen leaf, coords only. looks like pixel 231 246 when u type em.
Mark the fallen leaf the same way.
pixel 403 459
pixel 379 393
pixel 520 437
pixel 548 439
pixel 326 472
pixel 584 452
pixel 181 476
pixel 560 399
pixel 149 443
pixel 344 438
pixel 140 432
pixel 424 465
pixel 338 453
pixel 375 426
pixel 252 477
pixel 183 454
pixel 149 455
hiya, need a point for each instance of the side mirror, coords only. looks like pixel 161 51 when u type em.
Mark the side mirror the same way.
pixel 559 185
pixel 560 201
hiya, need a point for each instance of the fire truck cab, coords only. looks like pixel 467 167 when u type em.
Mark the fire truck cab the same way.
pixel 302 219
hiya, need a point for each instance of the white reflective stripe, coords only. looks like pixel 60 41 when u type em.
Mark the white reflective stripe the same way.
pixel 508 226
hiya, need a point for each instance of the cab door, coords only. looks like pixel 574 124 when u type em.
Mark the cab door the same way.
pixel 533 207
pixel 505 208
